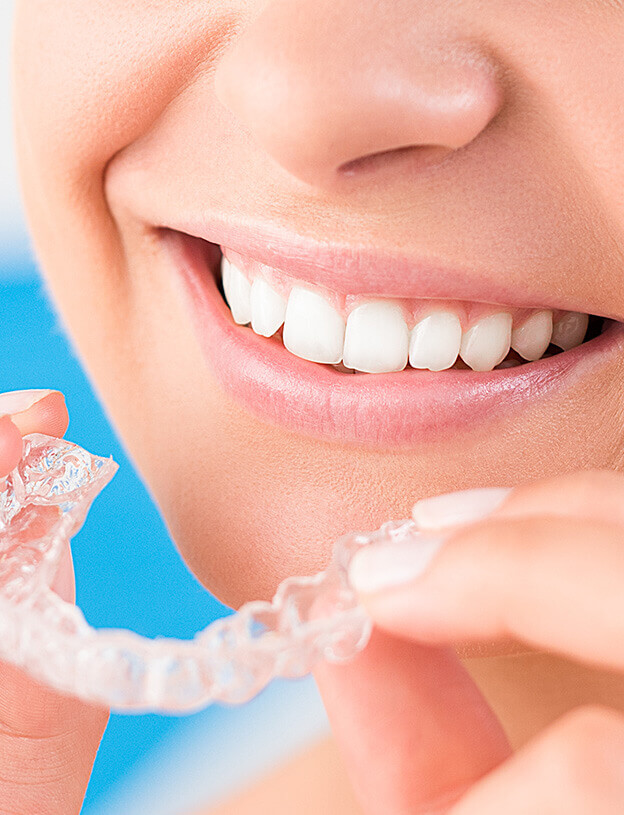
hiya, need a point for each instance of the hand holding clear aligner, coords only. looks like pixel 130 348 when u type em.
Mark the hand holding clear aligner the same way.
pixel 45 502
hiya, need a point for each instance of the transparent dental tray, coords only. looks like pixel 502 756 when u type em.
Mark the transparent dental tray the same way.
pixel 43 505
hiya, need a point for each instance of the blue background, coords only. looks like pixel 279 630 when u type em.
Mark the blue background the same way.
pixel 127 571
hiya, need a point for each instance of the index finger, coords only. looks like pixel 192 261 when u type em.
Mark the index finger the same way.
pixel 551 582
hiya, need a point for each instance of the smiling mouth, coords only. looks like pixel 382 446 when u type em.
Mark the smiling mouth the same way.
pixel 286 347
pixel 361 334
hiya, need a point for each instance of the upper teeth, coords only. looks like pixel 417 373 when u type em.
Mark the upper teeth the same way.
pixel 534 335
pixel 313 329
pixel 237 292
pixel 435 341
pixel 487 342
pixel 267 308
pixel 570 330
pixel 375 337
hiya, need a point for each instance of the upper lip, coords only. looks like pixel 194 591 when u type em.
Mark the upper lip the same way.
pixel 364 270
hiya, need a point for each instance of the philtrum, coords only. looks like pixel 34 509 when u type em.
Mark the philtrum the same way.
pixel 44 503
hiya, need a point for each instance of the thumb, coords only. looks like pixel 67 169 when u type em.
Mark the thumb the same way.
pixel 414 730
pixel 48 742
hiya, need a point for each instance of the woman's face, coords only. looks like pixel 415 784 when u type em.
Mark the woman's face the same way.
pixel 459 158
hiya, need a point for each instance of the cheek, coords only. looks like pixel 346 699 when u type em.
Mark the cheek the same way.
pixel 582 98
pixel 89 79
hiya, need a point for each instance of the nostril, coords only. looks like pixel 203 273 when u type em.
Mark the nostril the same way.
pixel 315 88
pixel 418 156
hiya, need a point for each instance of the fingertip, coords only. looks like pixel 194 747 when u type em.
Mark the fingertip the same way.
pixel 52 413
pixel 49 416
pixel 11 445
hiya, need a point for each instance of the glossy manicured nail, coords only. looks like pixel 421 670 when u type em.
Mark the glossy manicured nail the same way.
pixel 458 508
pixel 18 401
pixel 381 566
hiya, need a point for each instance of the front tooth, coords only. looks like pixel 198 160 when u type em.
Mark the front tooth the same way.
pixel 313 329
pixel 267 308
pixel 237 291
pixel 376 338
pixel 435 341
pixel 532 338
pixel 570 330
pixel 487 342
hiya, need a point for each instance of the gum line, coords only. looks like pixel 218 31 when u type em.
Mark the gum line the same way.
pixel 413 309
pixel 44 503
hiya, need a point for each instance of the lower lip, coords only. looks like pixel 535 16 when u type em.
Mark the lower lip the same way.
pixel 393 410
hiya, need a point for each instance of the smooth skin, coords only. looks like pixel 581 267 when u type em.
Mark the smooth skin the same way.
pixel 495 130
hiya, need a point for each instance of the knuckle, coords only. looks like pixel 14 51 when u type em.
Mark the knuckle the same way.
pixel 580 486
pixel 596 494
pixel 584 751
pixel 587 484
pixel 588 722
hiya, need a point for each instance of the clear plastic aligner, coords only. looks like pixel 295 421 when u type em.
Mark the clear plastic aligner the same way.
pixel 44 503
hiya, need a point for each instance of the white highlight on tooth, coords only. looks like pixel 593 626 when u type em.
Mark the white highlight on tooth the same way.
pixel 268 308
pixel 570 330
pixel 435 341
pixel 485 344
pixel 313 329
pixel 532 338
pixel 376 338
pixel 237 291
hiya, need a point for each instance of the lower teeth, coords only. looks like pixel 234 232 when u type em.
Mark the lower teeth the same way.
pixel 508 363
pixel 343 369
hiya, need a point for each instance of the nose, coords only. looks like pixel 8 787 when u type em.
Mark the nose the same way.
pixel 331 87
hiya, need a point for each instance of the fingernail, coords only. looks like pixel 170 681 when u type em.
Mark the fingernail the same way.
pixel 457 508
pixel 19 401
pixel 380 566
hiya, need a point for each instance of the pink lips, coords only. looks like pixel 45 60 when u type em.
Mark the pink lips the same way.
pixel 379 411
pixel 364 269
